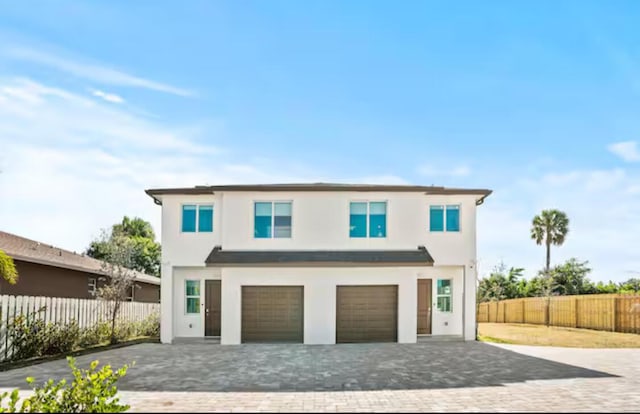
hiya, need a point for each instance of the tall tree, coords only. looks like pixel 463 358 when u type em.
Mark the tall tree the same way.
pixel 550 227
pixel 501 284
pixel 145 250
pixel 120 279
pixel 570 278
pixel 631 285
pixel 135 227
pixel 8 270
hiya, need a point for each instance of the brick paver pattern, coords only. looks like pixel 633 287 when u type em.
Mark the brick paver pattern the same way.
pixel 445 376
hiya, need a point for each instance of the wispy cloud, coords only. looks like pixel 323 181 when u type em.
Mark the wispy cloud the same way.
pixel 431 170
pixel 90 71
pixel 89 162
pixel 627 150
pixel 109 97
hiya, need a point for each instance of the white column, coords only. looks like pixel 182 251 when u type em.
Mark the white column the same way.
pixel 407 306
pixel 166 303
pixel 231 308
pixel 470 302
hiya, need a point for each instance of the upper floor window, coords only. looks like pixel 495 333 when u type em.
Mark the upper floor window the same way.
pixel 197 218
pixel 272 220
pixel 444 217
pixel 368 219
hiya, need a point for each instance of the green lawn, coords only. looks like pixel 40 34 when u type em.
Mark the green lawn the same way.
pixel 524 334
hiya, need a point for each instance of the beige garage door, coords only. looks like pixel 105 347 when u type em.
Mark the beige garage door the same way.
pixel 367 314
pixel 272 313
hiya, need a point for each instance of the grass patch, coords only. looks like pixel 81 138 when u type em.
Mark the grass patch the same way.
pixel 485 338
pixel 527 334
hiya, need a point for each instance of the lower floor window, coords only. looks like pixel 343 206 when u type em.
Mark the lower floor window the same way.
pixel 444 295
pixel 192 291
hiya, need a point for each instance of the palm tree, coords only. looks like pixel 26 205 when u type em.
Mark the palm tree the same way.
pixel 550 227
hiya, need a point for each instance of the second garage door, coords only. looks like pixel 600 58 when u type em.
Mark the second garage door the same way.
pixel 272 313
pixel 367 313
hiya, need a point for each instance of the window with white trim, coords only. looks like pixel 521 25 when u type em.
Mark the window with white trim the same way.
pixel 444 295
pixel 197 218
pixel 130 296
pixel 272 219
pixel 192 296
pixel 443 218
pixel 93 286
pixel 368 219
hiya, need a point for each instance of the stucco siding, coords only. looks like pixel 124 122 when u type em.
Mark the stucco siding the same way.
pixel 320 286
pixel 320 221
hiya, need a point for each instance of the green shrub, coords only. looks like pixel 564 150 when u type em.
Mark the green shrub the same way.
pixel 91 391
pixel 31 337
pixel 27 337
pixel 12 406
pixel 8 270
pixel 150 326
pixel 96 334
pixel 61 338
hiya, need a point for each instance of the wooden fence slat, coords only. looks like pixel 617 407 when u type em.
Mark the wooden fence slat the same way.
pixel 610 312
pixel 4 322
pixel 62 311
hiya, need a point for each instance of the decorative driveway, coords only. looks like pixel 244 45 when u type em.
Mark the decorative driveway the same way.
pixel 434 376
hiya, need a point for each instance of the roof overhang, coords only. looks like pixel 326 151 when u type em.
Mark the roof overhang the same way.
pixel 157 193
pixel 139 277
pixel 318 258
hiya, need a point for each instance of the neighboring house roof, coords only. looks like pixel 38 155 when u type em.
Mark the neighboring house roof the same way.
pixel 203 189
pixel 417 257
pixel 28 250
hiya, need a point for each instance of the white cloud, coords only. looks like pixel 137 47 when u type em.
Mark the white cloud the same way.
pixel 71 165
pixel 604 211
pixel 109 97
pixel 90 71
pixel 444 171
pixel 627 150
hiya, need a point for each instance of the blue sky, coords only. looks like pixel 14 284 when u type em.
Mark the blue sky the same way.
pixel 538 101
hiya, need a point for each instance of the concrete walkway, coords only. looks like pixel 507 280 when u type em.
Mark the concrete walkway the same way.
pixel 448 376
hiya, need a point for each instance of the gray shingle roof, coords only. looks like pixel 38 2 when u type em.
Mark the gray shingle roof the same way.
pixel 207 189
pixel 28 250
pixel 417 257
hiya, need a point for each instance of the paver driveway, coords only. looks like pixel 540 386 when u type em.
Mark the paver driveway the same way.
pixel 446 376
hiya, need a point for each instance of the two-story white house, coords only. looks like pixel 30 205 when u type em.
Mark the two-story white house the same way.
pixel 318 263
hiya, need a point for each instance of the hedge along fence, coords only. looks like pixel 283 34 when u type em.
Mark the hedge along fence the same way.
pixel 86 313
pixel 607 312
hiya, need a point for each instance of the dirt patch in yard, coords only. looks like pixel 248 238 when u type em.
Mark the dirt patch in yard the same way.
pixel 526 334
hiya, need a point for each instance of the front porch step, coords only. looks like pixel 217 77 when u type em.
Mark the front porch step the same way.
pixel 440 338
pixel 206 340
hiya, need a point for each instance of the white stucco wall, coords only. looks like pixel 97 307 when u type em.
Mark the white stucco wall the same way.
pixel 319 298
pixel 188 249
pixel 190 325
pixel 320 221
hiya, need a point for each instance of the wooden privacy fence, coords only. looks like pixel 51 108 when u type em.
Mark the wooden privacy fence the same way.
pixel 85 312
pixel 608 312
